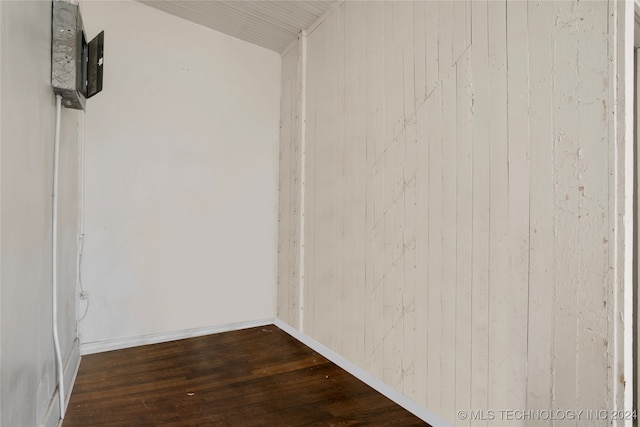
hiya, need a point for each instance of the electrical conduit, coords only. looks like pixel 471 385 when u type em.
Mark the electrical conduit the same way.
pixel 54 257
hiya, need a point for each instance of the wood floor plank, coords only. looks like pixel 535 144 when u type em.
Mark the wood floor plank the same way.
pixel 253 377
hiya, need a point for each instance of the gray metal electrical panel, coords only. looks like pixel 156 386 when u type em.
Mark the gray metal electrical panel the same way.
pixel 76 66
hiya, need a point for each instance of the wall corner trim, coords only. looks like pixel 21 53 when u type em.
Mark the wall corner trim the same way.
pixel 364 376
pixel 302 131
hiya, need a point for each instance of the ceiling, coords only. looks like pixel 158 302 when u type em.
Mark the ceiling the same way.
pixel 272 24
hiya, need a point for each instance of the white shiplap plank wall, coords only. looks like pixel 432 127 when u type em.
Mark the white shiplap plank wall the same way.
pixel 457 206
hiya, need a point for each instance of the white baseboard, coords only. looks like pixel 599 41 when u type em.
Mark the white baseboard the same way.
pixel 71 366
pixel 120 343
pixel 365 377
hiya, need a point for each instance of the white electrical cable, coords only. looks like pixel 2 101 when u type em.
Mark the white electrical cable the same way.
pixel 84 296
pixel 54 257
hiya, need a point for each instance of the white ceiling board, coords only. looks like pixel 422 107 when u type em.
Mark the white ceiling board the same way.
pixel 267 23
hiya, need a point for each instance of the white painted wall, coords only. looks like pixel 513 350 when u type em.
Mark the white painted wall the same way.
pixel 464 205
pixel 181 177
pixel 27 114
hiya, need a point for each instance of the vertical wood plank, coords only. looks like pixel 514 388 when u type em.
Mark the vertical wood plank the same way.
pixel 518 200
pixel 481 190
pixel 566 146
pixel 388 344
pixel 499 358
pixel 419 52
pixel 398 258
pixel 592 195
pixel 379 330
pixel 369 197
pixel 284 197
pixel 468 29
pixel 377 33
pixel 434 322
pixel 422 255
pixel 542 205
pixel 449 241
pixel 431 39
pixel 445 38
pixel 403 27
pixel 326 187
pixel 337 258
pixel 464 235
pixel 353 184
pixel 295 193
pixel 459 26
pixel 398 315
pixel 361 183
pixel 422 199
pixel 410 334
pixel 390 56
pixel 394 108
pixel 313 68
pixel 348 298
pixel 392 119
pixel 315 130
pixel 383 196
pixel 388 280
pixel 375 147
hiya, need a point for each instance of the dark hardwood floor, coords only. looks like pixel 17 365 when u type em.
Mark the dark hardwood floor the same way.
pixel 253 377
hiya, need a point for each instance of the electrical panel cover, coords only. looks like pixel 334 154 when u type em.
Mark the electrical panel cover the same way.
pixel 76 66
